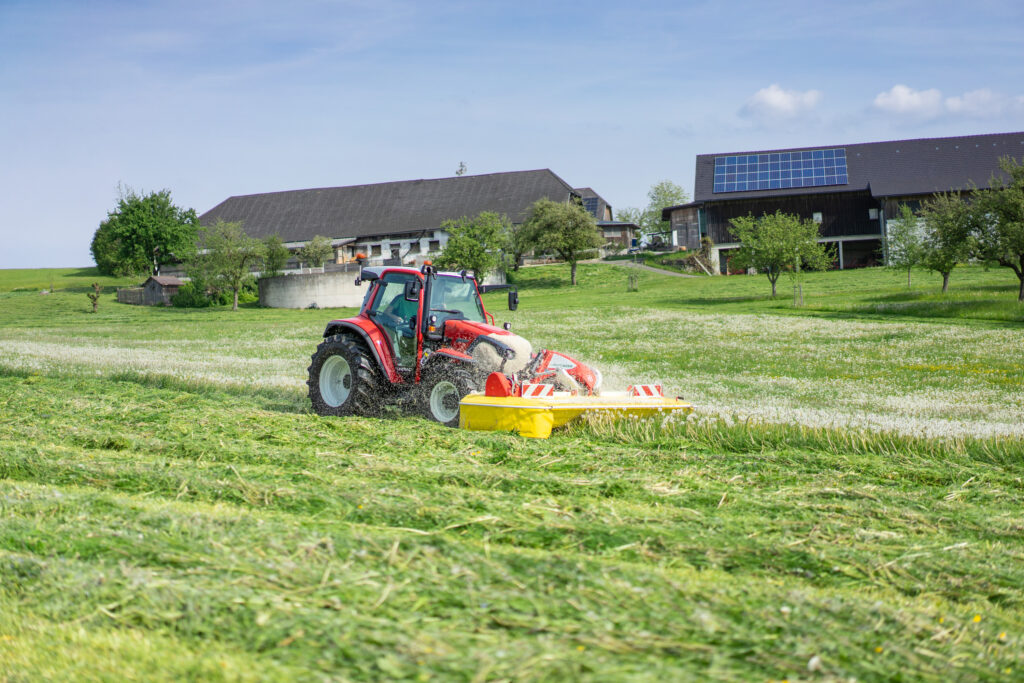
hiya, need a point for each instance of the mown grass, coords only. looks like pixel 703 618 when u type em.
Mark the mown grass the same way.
pixel 166 526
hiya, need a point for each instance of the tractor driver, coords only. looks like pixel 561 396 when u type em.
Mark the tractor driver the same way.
pixel 401 316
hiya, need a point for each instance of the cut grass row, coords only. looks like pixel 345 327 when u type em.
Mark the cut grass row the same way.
pixel 243 534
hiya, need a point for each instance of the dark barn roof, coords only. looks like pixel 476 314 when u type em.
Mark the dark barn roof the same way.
pixel 166 281
pixel 891 169
pixel 405 206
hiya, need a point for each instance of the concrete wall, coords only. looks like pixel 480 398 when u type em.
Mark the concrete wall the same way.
pixel 326 290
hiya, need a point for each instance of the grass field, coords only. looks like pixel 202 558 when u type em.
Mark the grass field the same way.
pixel 847 503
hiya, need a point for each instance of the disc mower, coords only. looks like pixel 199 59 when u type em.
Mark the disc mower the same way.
pixel 424 342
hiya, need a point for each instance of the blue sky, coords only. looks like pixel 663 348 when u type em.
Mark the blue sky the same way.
pixel 211 99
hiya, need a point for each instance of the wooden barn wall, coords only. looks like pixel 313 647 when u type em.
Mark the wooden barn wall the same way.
pixel 842 214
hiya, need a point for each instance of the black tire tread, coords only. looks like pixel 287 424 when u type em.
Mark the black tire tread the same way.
pixel 368 394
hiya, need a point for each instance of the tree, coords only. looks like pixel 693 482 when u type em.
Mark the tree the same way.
pixel 778 242
pixel 476 244
pixel 904 242
pixel 520 242
pixel 142 233
pixel 947 234
pixel 563 229
pixel 94 296
pixel 999 221
pixel 276 256
pixel 227 257
pixel 315 251
pixel 662 193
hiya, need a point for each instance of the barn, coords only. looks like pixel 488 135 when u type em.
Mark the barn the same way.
pixel 158 290
pixel 849 190
pixel 397 222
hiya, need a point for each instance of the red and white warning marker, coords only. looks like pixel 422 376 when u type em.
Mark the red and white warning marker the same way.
pixel 645 390
pixel 538 390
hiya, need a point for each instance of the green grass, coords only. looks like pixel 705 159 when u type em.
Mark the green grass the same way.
pixel 58 279
pixel 171 509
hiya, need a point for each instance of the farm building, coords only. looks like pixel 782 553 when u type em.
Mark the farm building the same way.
pixel 851 191
pixel 396 222
pixel 156 291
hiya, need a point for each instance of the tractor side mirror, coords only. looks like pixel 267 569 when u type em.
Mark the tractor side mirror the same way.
pixel 513 300
pixel 412 289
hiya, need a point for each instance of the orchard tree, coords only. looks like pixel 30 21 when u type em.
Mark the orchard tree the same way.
pixel 565 229
pixel 316 251
pixel 904 242
pixel 142 233
pixel 947 235
pixel 999 216
pixel 662 193
pixel 476 244
pixel 227 258
pixel 276 256
pixel 778 242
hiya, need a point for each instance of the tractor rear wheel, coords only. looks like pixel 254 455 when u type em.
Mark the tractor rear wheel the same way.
pixel 440 392
pixel 344 380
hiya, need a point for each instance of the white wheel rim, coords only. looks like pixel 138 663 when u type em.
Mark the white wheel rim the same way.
pixel 335 381
pixel 444 401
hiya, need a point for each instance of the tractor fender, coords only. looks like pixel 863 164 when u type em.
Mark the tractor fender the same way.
pixel 375 345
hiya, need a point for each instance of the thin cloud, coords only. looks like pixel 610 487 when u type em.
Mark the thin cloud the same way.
pixel 775 103
pixel 904 101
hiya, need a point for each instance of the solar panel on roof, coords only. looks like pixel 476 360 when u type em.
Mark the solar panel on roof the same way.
pixel 780 170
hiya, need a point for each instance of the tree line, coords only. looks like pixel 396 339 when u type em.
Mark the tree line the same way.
pixel 146 231
pixel 949 229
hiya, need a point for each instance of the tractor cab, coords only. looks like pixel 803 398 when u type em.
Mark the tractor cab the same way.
pixel 409 315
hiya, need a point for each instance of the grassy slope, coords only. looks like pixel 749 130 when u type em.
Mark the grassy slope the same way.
pixel 158 527
pixel 58 279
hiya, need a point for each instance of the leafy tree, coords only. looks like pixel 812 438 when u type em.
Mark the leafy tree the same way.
pixel 475 244
pixel 905 242
pixel 778 242
pixel 520 242
pixel 276 256
pixel 563 229
pixel 316 251
pixel 227 258
pixel 999 221
pixel 142 233
pixel 947 235
pixel 662 193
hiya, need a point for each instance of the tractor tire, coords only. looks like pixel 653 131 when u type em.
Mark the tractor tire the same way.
pixel 440 391
pixel 344 379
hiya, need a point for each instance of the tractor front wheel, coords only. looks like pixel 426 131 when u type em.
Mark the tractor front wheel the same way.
pixel 343 379
pixel 440 393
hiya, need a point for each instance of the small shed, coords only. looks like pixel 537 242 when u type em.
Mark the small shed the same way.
pixel 159 289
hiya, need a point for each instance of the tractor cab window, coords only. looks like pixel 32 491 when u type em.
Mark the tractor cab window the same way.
pixel 397 317
pixel 455 298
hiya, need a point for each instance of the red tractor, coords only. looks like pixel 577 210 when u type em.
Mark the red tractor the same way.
pixel 423 341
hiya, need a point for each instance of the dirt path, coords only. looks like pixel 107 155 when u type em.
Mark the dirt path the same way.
pixel 643 266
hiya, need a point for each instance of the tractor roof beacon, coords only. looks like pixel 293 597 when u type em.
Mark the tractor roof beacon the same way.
pixel 422 340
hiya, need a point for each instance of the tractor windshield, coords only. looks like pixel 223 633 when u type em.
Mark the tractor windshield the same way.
pixel 453 295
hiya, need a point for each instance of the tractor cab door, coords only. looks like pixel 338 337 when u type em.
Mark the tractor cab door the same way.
pixel 397 316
